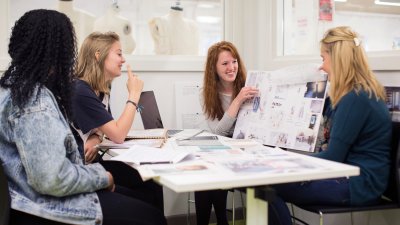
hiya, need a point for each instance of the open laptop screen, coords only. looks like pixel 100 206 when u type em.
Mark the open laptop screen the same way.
pixel 150 114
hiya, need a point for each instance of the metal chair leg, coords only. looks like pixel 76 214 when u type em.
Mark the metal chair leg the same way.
pixel 293 216
pixel 233 207
pixel 189 202
pixel 243 206
pixel 351 217
pixel 188 210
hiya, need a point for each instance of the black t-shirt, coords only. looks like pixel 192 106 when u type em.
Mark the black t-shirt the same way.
pixel 88 110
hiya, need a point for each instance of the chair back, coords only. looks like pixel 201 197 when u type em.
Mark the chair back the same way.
pixel 393 190
pixel 5 197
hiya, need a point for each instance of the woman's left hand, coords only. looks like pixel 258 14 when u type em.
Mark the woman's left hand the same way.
pixel 90 148
pixel 246 93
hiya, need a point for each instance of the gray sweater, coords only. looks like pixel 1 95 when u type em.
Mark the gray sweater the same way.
pixel 226 125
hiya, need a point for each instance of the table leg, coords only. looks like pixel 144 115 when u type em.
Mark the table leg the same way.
pixel 257 209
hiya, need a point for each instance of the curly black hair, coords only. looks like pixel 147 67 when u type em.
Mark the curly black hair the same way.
pixel 43 53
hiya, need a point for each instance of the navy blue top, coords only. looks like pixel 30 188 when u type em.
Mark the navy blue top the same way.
pixel 360 135
pixel 88 110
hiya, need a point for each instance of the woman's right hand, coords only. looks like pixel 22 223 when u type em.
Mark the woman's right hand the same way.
pixel 134 85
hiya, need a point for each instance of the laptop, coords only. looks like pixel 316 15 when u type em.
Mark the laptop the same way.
pixel 150 114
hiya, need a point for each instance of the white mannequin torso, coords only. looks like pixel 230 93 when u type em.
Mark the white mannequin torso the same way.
pixel 83 21
pixel 112 21
pixel 174 35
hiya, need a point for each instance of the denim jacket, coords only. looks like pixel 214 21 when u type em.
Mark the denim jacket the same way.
pixel 46 175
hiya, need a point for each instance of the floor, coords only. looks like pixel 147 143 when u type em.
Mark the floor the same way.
pixel 238 222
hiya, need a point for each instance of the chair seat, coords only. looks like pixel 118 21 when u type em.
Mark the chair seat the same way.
pixel 326 209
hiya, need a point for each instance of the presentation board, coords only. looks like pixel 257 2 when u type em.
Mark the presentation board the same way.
pixel 288 109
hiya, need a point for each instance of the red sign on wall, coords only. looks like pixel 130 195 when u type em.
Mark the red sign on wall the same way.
pixel 325 10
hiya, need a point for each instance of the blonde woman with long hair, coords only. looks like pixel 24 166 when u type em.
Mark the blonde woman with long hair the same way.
pixel 100 60
pixel 360 133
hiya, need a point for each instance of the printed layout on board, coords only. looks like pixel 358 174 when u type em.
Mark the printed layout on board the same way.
pixel 288 109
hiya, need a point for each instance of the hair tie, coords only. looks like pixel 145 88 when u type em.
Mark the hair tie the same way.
pixel 356 41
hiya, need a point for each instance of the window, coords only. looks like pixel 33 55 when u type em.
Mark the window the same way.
pixel 293 30
pixel 305 21
pixel 206 17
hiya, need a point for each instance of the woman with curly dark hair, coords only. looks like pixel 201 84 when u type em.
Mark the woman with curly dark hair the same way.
pixel 47 180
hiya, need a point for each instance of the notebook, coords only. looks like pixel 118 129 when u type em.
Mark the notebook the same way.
pixel 150 114
pixel 141 155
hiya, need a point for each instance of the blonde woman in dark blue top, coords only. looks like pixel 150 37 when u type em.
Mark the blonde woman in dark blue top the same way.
pixel 360 131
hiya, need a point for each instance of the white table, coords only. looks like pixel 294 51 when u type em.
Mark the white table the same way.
pixel 256 208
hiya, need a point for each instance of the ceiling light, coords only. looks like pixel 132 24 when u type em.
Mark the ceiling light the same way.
pixel 388 2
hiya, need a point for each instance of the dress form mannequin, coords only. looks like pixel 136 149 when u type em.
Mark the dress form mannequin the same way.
pixel 83 21
pixel 174 35
pixel 112 21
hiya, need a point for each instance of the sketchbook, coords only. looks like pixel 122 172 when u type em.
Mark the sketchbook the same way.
pixel 287 110
pixel 142 155
pixel 158 133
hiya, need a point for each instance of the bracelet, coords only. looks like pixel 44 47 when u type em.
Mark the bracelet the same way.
pixel 138 107
pixel 101 137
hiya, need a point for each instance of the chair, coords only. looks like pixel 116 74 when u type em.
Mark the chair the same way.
pixel 190 200
pixel 5 197
pixel 390 198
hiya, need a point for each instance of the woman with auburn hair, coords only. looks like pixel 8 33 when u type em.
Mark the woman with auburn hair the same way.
pixel 47 179
pixel 222 95
pixel 360 132
pixel 100 61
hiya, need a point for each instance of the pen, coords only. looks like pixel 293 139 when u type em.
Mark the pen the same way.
pixel 150 163
pixel 188 138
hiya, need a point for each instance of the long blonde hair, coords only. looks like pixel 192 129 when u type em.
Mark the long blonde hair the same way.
pixel 349 65
pixel 212 106
pixel 90 68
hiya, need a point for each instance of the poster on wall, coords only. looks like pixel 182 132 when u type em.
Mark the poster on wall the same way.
pixel 189 114
pixel 288 109
pixel 325 10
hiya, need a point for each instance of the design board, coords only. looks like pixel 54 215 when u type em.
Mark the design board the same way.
pixel 288 109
